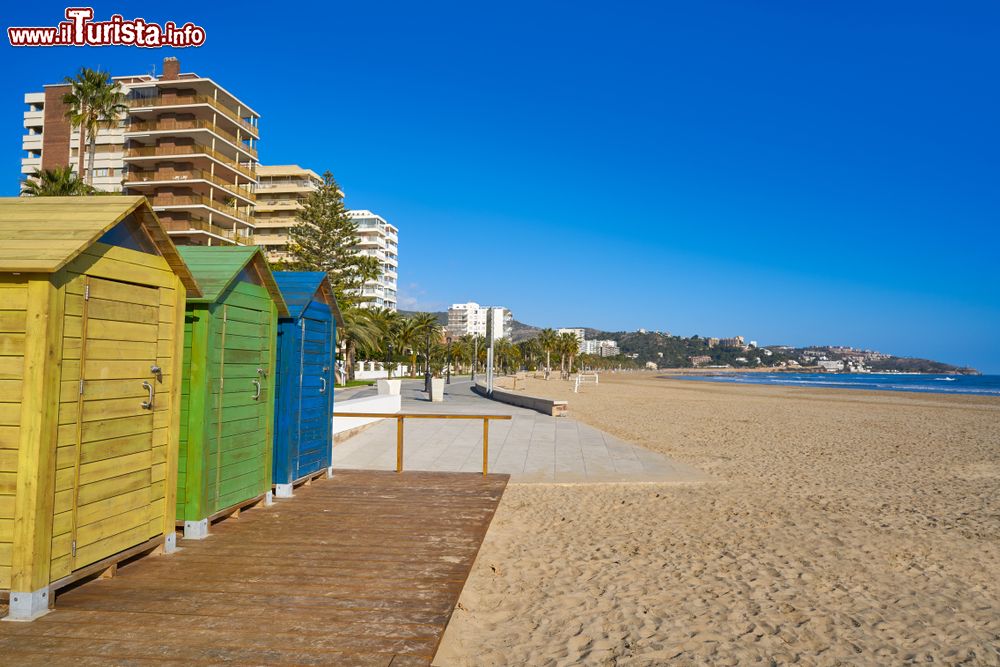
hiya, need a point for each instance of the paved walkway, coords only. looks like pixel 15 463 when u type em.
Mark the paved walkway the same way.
pixel 531 447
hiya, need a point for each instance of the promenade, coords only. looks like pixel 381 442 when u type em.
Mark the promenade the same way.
pixel 531 447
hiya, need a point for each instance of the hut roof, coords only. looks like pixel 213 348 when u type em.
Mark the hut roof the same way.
pixel 44 234
pixel 217 267
pixel 299 288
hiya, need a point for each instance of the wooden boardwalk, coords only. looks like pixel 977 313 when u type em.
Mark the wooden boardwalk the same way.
pixel 361 569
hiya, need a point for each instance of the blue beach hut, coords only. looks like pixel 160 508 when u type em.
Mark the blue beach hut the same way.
pixel 303 434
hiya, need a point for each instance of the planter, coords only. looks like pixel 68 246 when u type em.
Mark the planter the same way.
pixel 437 390
pixel 388 387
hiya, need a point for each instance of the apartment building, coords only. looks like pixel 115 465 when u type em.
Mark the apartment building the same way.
pixel 471 318
pixel 603 348
pixel 379 239
pixel 281 194
pixel 186 143
pixel 579 333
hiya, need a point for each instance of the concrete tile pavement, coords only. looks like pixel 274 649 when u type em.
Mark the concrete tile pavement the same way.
pixel 531 447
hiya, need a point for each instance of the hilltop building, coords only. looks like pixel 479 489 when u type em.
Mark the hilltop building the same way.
pixel 470 318
pixel 379 239
pixel 186 143
pixel 281 194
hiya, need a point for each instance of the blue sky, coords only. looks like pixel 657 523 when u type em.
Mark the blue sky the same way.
pixel 791 172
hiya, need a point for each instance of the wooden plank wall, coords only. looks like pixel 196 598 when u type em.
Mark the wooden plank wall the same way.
pixel 242 469
pixel 13 309
pixel 133 483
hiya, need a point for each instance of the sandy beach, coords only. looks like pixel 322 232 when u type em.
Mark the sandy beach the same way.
pixel 845 527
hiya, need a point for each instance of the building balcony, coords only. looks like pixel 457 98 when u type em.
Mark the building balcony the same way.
pixel 188 201
pixel 267 204
pixel 288 186
pixel 139 179
pixel 194 100
pixel 174 126
pixel 371 241
pixel 201 227
pixel 190 150
pixel 31 142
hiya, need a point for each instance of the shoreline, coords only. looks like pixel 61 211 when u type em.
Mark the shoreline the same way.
pixel 844 384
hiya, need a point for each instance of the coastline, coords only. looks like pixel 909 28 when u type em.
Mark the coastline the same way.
pixel 845 525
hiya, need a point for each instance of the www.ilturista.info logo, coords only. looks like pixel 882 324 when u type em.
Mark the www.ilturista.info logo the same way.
pixel 79 29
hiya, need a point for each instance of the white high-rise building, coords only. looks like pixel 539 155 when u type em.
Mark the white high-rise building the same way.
pixel 471 318
pixel 379 239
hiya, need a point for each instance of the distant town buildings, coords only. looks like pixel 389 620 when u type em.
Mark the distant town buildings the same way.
pixel 185 142
pixel 700 360
pixel 736 341
pixel 471 318
pixel 603 348
pixel 281 194
pixel 379 239
pixel 831 366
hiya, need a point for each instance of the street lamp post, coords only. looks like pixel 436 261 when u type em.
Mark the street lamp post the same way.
pixel 388 362
pixel 475 356
pixel 448 343
pixel 427 364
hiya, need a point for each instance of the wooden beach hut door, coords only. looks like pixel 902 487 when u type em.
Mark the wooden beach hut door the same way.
pixel 112 505
pixel 314 408
pixel 242 429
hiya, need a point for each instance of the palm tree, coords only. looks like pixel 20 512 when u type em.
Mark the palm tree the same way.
pixel 93 101
pixel 58 182
pixel 459 353
pixel 407 339
pixel 467 344
pixel 386 323
pixel 548 340
pixel 428 329
pixel 359 331
pixel 506 353
pixel 566 344
pixel 530 352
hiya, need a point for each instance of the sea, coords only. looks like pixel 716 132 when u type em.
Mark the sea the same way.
pixel 984 385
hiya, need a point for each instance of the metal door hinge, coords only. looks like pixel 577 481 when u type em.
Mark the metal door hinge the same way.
pixel 72 548
pixel 86 292
pixel 81 386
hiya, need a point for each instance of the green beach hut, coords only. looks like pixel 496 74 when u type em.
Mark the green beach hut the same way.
pixel 227 401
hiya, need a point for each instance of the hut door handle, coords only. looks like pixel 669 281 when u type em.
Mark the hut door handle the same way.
pixel 148 405
pixel 322 389
pixel 256 396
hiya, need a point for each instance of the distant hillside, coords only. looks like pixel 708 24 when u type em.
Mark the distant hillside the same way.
pixel 668 351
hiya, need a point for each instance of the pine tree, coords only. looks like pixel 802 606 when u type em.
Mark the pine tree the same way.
pixel 326 239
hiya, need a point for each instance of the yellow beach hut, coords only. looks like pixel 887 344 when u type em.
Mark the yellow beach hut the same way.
pixel 92 297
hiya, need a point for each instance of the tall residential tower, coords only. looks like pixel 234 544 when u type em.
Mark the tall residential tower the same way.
pixel 379 239
pixel 186 143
